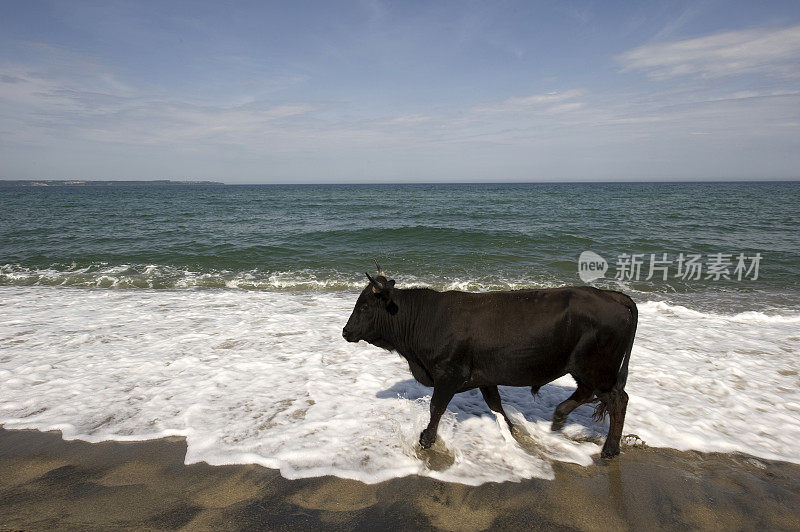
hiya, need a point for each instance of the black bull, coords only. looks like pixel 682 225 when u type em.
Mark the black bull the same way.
pixel 457 341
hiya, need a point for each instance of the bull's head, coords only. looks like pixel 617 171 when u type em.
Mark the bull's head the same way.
pixel 372 306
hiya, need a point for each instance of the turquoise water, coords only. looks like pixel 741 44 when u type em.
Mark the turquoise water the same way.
pixel 467 236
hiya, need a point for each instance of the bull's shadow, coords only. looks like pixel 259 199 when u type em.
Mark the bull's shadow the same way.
pixel 471 403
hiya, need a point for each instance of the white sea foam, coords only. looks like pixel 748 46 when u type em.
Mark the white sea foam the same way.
pixel 265 377
pixel 133 276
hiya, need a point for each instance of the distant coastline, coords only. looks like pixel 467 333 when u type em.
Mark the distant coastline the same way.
pixel 89 182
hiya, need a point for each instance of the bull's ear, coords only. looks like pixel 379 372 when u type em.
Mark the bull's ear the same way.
pixel 385 291
pixel 391 306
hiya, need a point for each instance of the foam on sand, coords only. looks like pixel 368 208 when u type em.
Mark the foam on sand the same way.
pixel 265 377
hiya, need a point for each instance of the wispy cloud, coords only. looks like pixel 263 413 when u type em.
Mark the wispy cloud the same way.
pixel 692 11
pixel 770 51
pixel 538 102
pixel 550 97
pixel 61 94
pixel 408 120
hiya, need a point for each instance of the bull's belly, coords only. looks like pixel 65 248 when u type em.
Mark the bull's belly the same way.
pixel 527 368
pixel 522 380
pixel 518 371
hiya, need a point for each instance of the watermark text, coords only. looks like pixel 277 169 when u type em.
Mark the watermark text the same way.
pixel 665 266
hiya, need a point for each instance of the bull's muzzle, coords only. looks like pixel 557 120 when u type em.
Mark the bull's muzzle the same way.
pixel 348 335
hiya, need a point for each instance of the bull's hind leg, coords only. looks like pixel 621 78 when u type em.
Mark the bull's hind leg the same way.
pixel 581 396
pixel 492 397
pixel 615 403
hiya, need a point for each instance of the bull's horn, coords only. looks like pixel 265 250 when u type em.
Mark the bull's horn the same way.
pixel 375 284
pixel 380 270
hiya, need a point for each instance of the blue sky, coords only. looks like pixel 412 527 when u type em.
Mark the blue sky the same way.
pixel 373 91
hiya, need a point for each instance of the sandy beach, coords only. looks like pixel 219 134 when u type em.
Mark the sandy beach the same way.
pixel 49 483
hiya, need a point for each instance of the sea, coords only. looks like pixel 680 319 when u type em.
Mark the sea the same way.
pixel 215 313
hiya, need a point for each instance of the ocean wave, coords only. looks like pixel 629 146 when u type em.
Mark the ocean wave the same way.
pixel 751 316
pixel 667 298
pixel 151 276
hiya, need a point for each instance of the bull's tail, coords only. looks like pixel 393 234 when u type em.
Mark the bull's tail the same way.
pixel 622 376
pixel 608 400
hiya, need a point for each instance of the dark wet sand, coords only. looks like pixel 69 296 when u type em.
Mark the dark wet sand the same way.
pixel 47 483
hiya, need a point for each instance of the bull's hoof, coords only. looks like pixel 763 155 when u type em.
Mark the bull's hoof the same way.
pixel 609 450
pixel 558 423
pixel 426 438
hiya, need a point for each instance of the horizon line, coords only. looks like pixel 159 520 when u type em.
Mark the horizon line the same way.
pixel 79 182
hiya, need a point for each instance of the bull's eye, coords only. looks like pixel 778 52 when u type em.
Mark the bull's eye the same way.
pixel 363 307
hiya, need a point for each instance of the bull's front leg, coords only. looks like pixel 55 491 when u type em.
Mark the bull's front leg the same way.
pixel 442 394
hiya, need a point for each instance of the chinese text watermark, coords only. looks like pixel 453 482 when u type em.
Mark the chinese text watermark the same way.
pixel 663 266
